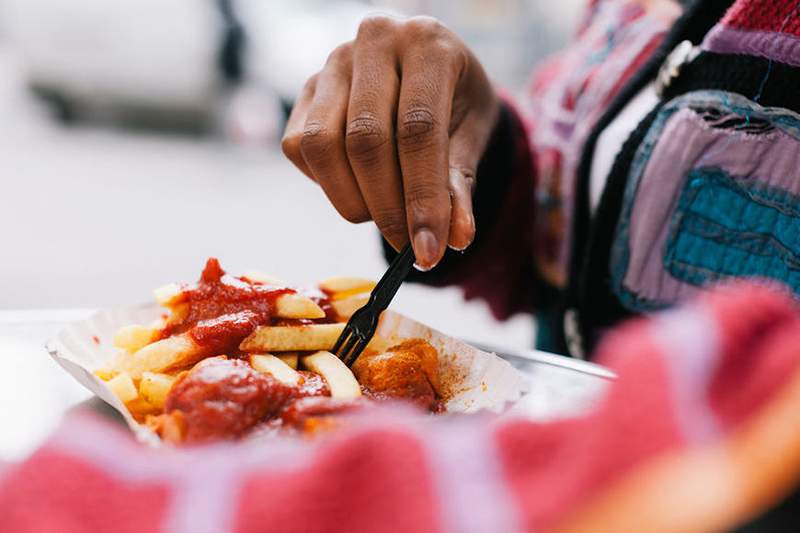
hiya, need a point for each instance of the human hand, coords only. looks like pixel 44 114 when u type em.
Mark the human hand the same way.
pixel 393 127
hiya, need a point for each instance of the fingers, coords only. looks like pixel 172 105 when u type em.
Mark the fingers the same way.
pixel 392 129
pixel 429 73
pixel 370 138
pixel 322 144
pixel 290 144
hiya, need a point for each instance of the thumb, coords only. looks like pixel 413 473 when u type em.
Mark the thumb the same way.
pixel 462 220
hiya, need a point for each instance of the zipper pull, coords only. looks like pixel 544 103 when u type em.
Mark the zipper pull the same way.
pixel 681 55
pixel 572 334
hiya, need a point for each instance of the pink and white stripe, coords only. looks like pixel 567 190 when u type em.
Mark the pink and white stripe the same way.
pixel 687 378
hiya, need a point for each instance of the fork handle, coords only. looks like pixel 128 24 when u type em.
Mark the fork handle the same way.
pixel 387 287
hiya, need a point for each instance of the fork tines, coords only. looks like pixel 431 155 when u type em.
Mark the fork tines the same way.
pixel 362 325
pixel 354 344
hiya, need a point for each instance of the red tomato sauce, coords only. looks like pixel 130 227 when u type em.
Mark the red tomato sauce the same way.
pixel 301 411
pixel 220 310
pixel 224 398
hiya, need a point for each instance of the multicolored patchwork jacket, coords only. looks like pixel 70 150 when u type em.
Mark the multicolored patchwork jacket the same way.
pixel 707 187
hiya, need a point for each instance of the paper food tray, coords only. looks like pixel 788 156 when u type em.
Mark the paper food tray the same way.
pixel 473 380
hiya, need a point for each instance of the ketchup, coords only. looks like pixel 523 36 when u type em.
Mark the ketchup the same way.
pixel 220 310
pixel 223 398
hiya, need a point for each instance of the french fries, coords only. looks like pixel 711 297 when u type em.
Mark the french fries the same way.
pixel 292 305
pixel 140 408
pixel 123 388
pixel 345 308
pixel 269 364
pixel 306 338
pixel 155 387
pixel 181 350
pixel 105 373
pixel 171 426
pixel 345 284
pixel 261 277
pixel 340 379
pixel 290 358
pixel 152 358
pixel 165 354
pixel 341 287
pixel 167 295
pixel 134 337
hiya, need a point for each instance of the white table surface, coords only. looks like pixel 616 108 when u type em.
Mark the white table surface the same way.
pixel 35 392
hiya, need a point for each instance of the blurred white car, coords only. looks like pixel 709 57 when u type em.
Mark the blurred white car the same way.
pixel 165 56
pixel 148 53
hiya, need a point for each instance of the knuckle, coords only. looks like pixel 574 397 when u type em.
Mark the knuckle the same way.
pixel 340 55
pixel 290 145
pixel 416 127
pixel 450 52
pixel 365 134
pixel 439 43
pixel 426 202
pixel 375 26
pixel 423 27
pixel 391 223
pixel 422 194
pixel 311 83
pixel 353 214
pixel 316 140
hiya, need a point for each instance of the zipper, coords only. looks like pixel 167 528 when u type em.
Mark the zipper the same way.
pixel 683 54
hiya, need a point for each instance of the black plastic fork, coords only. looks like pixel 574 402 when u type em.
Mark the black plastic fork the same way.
pixel 362 325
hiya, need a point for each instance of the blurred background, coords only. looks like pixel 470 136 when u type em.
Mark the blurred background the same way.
pixel 139 137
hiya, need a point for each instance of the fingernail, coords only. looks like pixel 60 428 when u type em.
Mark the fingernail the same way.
pixel 425 248
pixel 472 238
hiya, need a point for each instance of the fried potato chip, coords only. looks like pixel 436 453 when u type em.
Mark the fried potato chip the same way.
pixel 294 305
pixel 260 277
pixel 154 388
pixel 170 426
pixel 167 294
pixel 346 284
pixel 340 288
pixel 304 338
pixel 345 308
pixel 177 313
pixel 288 358
pixel 105 373
pixel 172 352
pixel 269 364
pixel 123 388
pixel 134 337
pixel 340 379
pixel 141 408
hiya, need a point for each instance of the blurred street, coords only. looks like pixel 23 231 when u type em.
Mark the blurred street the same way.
pixel 94 215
